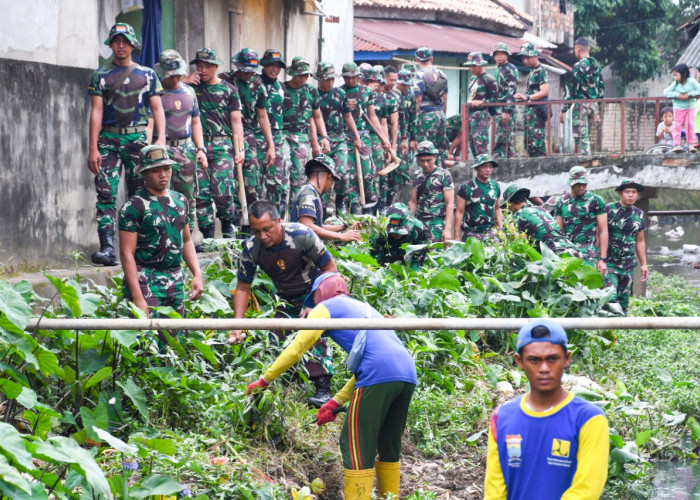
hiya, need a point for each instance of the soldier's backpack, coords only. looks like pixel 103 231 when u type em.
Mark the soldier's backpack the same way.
pixel 435 85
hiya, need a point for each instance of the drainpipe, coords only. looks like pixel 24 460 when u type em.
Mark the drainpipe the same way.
pixel 285 22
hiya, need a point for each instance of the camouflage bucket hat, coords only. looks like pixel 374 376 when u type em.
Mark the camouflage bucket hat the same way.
pixel 127 31
pixel 325 71
pixel 323 161
pixel 483 160
pixel 379 69
pixel 500 47
pixel 411 67
pixel 369 73
pixel 350 69
pixel 153 156
pixel 272 56
pixel 207 55
pixel 299 66
pixel 170 64
pixel 399 219
pixel 424 53
pixel 246 60
pixel 475 59
pixel 577 175
pixel 629 183
pixel 426 148
pixel 512 190
pixel 404 76
pixel 528 49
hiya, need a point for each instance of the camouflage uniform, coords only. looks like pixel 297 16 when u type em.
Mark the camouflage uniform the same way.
pixel 407 129
pixel 454 127
pixel 386 249
pixel 580 222
pixel 623 225
pixel 123 135
pixel 364 98
pixel 293 265
pixel 431 84
pixel 507 82
pixel 536 115
pixel 539 225
pixel 386 185
pixel 430 197
pixel 480 204
pixel 217 183
pixel 586 83
pixel 482 88
pixel 334 105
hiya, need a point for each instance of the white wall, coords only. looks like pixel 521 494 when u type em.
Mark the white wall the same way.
pixel 338 39
pixel 62 32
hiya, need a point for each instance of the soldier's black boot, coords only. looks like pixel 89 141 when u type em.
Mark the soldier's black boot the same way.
pixel 340 206
pixel 245 232
pixel 369 210
pixel 105 255
pixel 207 232
pixel 355 209
pixel 323 391
pixel 227 228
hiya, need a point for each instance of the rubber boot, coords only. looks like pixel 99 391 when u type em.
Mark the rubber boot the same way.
pixel 355 209
pixel 388 478
pixel 340 206
pixel 369 210
pixel 105 255
pixel 207 232
pixel 323 391
pixel 358 484
pixel 227 228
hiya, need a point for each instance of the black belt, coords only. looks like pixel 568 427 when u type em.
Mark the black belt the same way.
pixel 212 138
pixel 123 130
pixel 178 142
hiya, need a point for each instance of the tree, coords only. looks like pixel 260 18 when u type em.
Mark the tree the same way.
pixel 626 33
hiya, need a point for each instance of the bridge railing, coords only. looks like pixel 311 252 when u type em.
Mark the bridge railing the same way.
pixel 621 124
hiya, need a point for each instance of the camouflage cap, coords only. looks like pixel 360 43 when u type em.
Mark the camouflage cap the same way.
pixel 207 55
pixel 325 71
pixel 170 64
pixel 350 69
pixel 577 175
pixel 512 190
pixel 410 67
pixel 424 53
pixel 404 76
pixel 483 160
pixel 127 32
pixel 629 183
pixel 426 148
pixel 475 59
pixel 299 66
pixel 369 73
pixel 153 156
pixel 528 49
pixel 272 56
pixel 400 220
pixel 321 160
pixel 500 47
pixel 246 60
pixel 381 76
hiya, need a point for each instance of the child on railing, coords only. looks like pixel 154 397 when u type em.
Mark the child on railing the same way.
pixel 664 136
pixel 684 91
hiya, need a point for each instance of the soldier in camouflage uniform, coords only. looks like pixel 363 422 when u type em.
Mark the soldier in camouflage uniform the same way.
pixel 482 89
pixel 336 116
pixel 454 136
pixel 537 90
pixel 507 82
pixel 361 103
pixel 407 127
pixel 183 129
pixel 121 94
pixel 626 226
pixel 275 176
pixel 478 207
pixel 301 105
pixel 220 107
pixel 374 80
pixel 581 216
pixel 432 197
pixel 293 257
pixel 536 222
pixel 391 131
pixel 254 104
pixel 154 238
pixel 401 229
pixel 431 102
pixel 586 83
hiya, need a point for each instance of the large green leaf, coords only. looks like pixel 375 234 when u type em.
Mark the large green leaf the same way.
pixel 94 418
pixel 126 338
pixel 70 298
pixel 15 310
pixel 164 446
pixel 627 454
pixel 476 248
pixel 98 376
pixel 10 388
pixel 48 362
pixel 156 484
pixel 137 396
pixel 589 277
pixel 27 398
pixel 206 351
pixel 39 422
pixel 13 445
pixel 114 442
pixel 446 280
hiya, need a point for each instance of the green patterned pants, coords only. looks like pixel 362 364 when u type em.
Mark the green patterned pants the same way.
pixel 217 184
pixel 503 148
pixel 621 280
pixel 581 118
pixel 275 178
pixel 479 130
pixel 299 154
pixel 184 179
pixel 535 133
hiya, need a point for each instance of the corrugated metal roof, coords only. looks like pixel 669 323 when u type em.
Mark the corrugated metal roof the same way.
pixel 479 9
pixel 691 56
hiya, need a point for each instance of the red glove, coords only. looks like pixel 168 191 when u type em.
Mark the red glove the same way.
pixel 262 383
pixel 325 413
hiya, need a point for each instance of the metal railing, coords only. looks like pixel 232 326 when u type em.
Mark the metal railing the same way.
pixel 620 323
pixel 642 113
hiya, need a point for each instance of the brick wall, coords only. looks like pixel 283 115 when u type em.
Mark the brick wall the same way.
pixel 640 126
pixel 554 26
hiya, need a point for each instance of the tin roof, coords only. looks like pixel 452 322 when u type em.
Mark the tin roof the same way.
pixel 691 56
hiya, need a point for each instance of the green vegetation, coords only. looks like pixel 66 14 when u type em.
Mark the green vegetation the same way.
pixel 94 414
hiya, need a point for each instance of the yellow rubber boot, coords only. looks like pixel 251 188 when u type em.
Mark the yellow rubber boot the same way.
pixel 358 484
pixel 388 478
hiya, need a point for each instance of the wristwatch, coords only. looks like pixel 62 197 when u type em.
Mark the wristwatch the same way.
pixel 528 98
pixel 204 150
pixel 604 259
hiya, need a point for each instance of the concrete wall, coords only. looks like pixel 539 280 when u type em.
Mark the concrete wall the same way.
pixel 50 31
pixel 47 191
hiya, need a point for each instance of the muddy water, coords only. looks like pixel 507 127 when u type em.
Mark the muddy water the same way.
pixel 665 252
pixel 677 481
